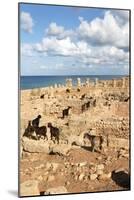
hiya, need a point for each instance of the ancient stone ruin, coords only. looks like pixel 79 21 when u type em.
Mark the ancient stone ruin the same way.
pixel 99 108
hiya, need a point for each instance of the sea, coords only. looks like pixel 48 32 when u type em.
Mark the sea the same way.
pixel 31 82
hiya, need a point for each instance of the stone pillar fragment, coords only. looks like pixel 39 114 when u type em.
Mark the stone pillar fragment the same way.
pixel 87 82
pixel 123 82
pixel 69 83
pixel 78 82
pixel 96 82
pixel 114 83
pixel 55 86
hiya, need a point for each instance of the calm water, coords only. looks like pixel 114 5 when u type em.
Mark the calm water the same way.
pixel 30 82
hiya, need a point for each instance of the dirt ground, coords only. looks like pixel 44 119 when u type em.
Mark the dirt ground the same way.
pixel 32 167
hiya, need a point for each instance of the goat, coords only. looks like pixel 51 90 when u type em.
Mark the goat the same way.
pixel 42 96
pixel 41 131
pixel 83 108
pixel 54 131
pixel 36 121
pixel 83 96
pixel 126 99
pixel 29 131
pixel 65 112
pixel 96 141
pixel 88 104
pixel 94 103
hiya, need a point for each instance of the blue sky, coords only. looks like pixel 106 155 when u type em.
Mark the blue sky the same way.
pixel 59 40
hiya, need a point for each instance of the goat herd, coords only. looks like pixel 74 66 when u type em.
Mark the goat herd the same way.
pixel 41 131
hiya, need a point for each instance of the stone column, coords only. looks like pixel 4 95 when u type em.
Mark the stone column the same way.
pixel 55 86
pixel 69 83
pixel 78 82
pixel 105 83
pixel 114 83
pixel 123 82
pixel 96 82
pixel 87 82
pixel 51 92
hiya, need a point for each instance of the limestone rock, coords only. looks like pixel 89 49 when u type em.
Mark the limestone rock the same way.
pixel 81 176
pixel 99 171
pixel 51 178
pixel 55 166
pixel 35 146
pixel 104 176
pixel 61 149
pixel 93 177
pixel 48 165
pixel 119 143
pixel 29 188
pixel 67 183
pixel 56 190
pixel 82 164
pixel 100 167
pixel 40 178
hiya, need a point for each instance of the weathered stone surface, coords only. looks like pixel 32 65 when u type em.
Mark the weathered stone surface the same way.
pixel 35 146
pixel 40 178
pixel 100 167
pixel 29 188
pixel 48 165
pixel 61 149
pixel 56 190
pixel 93 176
pixel 99 171
pixel 82 164
pixel 104 176
pixel 81 176
pixel 67 183
pixel 119 142
pixel 51 178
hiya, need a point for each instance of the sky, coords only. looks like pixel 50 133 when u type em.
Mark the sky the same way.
pixel 61 40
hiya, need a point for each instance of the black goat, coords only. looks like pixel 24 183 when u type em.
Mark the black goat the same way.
pixel 65 112
pixel 88 104
pixel 94 102
pixel 54 132
pixel 29 130
pixel 83 96
pixel 126 99
pixel 42 96
pixel 83 108
pixel 36 121
pixel 41 131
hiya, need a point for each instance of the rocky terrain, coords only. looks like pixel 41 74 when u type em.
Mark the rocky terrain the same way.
pixel 100 109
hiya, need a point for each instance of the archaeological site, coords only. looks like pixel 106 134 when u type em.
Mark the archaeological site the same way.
pixel 75 138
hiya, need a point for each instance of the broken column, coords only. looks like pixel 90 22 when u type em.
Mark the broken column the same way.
pixel 104 83
pixel 69 83
pixel 87 82
pixel 114 83
pixel 96 82
pixel 123 82
pixel 78 82
pixel 51 92
pixel 55 86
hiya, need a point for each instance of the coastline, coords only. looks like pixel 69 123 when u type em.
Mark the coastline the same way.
pixel 74 85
